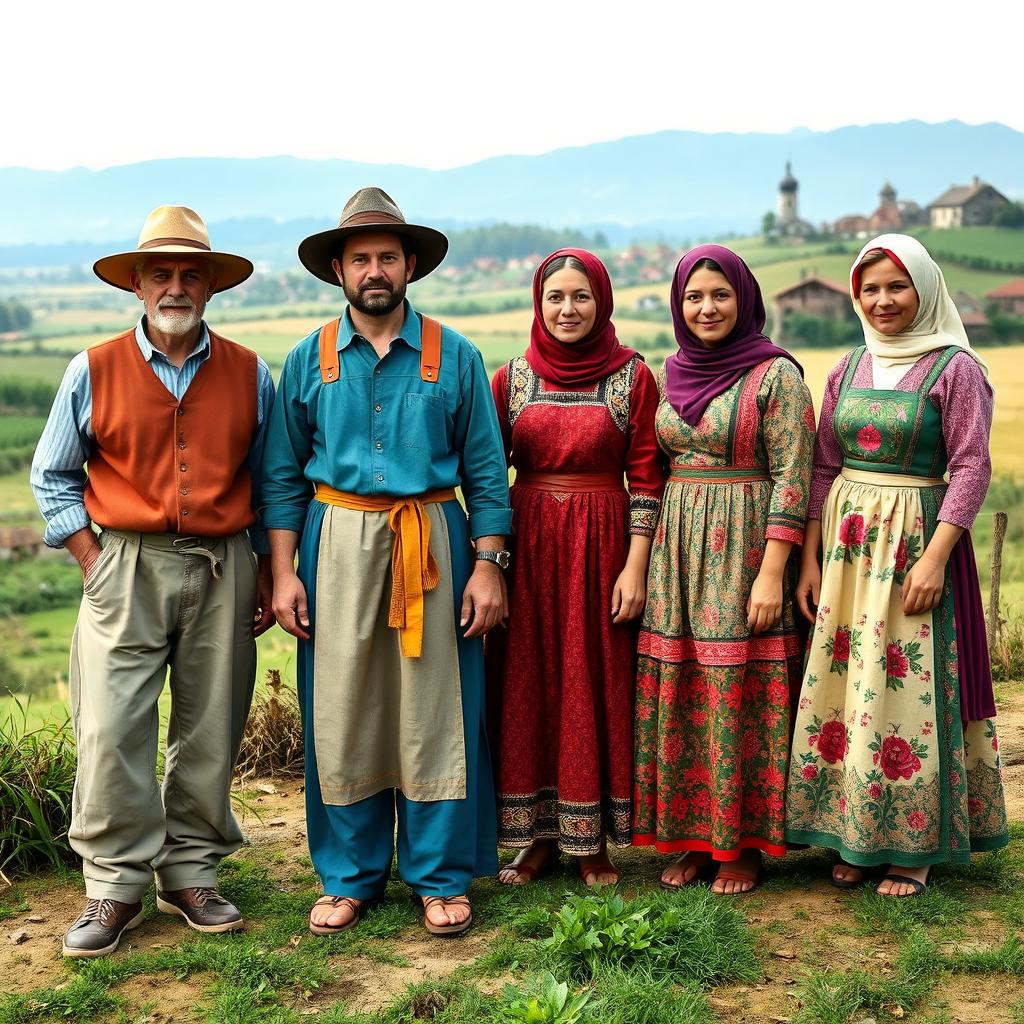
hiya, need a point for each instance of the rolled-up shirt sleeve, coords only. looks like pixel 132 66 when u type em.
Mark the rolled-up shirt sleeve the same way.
pixel 58 466
pixel 482 464
pixel 285 491
pixel 254 460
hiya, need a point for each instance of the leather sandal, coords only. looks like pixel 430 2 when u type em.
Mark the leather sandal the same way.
pixel 915 884
pixel 705 872
pixel 849 883
pixel 446 930
pixel 727 874
pixel 358 908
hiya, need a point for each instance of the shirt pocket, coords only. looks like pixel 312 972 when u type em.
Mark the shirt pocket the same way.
pixel 425 423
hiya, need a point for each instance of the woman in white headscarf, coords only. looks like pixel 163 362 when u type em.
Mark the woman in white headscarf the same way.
pixel 895 756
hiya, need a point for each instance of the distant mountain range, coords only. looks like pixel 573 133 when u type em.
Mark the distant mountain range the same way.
pixel 672 185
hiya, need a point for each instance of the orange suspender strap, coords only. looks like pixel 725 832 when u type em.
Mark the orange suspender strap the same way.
pixel 330 370
pixel 430 356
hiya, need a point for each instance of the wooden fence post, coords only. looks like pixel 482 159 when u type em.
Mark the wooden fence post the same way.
pixel 995 623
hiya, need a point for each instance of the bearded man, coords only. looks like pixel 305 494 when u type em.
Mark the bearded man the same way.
pixel 380 414
pixel 168 420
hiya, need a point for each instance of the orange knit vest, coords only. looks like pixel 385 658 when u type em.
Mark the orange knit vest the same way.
pixel 162 465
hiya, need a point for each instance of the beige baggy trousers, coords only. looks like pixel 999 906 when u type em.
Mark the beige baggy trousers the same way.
pixel 155 602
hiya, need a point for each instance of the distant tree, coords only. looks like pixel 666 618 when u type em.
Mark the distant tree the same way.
pixel 14 316
pixel 1010 216
pixel 768 226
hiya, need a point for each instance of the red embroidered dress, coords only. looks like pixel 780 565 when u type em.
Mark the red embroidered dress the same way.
pixel 561 678
pixel 713 700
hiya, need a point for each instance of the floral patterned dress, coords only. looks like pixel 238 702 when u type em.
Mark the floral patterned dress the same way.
pixel 561 678
pixel 713 700
pixel 883 769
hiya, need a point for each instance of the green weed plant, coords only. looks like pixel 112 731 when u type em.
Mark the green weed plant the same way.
pixel 37 777
pixel 687 936
pixel 550 1003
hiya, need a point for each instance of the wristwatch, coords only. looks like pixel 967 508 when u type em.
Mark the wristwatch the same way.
pixel 500 558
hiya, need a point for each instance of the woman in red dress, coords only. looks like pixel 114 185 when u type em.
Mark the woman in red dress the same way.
pixel 577 415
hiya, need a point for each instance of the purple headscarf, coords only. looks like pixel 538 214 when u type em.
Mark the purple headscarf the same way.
pixel 697 374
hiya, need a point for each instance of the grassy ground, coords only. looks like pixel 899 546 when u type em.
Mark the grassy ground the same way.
pixel 795 951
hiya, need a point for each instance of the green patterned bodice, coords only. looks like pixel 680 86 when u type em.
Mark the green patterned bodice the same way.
pixel 891 431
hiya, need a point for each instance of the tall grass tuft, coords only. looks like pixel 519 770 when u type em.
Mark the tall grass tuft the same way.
pixel 37 777
pixel 272 743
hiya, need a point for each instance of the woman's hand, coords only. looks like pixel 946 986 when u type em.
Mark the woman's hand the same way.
pixel 764 606
pixel 922 588
pixel 808 588
pixel 629 593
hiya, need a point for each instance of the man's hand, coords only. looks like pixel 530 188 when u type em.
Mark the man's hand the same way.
pixel 485 600
pixel 263 614
pixel 290 607
pixel 85 549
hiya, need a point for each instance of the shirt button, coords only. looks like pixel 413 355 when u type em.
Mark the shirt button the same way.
pixel 184 511
pixel 379 446
pixel 184 490
pixel 380 478
pixel 181 412
pixel 376 408
pixel 183 467
pixel 181 445
pixel 378 373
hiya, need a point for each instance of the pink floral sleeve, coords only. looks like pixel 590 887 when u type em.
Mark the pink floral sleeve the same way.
pixel 828 456
pixel 964 398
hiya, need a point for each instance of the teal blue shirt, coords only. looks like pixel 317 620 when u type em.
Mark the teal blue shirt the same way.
pixel 382 430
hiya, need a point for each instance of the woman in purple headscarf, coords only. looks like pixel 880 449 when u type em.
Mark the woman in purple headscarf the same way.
pixel 719 653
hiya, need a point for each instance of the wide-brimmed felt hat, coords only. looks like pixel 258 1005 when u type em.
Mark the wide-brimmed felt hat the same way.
pixel 371 209
pixel 179 231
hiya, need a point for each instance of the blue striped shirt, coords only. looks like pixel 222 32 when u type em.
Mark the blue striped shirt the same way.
pixel 67 443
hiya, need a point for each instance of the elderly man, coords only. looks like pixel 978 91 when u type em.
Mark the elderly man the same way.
pixel 168 419
pixel 379 416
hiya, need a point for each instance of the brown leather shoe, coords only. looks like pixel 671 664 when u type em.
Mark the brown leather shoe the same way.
pixel 203 909
pixel 99 929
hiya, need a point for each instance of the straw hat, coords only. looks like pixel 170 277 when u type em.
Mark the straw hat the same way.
pixel 177 230
pixel 371 209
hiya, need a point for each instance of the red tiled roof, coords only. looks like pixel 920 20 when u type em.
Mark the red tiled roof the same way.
pixel 1011 290
pixel 841 289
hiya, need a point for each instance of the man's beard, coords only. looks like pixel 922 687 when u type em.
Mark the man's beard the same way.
pixel 382 303
pixel 175 323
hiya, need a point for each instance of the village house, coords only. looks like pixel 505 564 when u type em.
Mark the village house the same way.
pixel 813 296
pixel 19 542
pixel 973 316
pixel 962 206
pixel 1009 297
pixel 648 303
pixel 853 226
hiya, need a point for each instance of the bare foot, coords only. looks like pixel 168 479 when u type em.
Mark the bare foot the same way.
pixel 684 870
pixel 597 869
pixel 738 876
pixel 847 874
pixel 888 887
pixel 528 863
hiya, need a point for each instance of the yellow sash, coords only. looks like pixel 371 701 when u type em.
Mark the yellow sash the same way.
pixel 413 569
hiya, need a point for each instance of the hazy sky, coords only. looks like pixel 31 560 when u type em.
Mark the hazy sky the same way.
pixel 442 84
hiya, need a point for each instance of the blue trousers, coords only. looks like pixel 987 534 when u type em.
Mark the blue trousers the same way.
pixel 442 844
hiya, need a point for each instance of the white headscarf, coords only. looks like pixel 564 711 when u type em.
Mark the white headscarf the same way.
pixel 936 325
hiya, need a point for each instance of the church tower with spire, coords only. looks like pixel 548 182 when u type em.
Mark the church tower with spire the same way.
pixel 788 215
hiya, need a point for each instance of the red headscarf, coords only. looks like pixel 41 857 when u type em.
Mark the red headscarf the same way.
pixel 582 362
